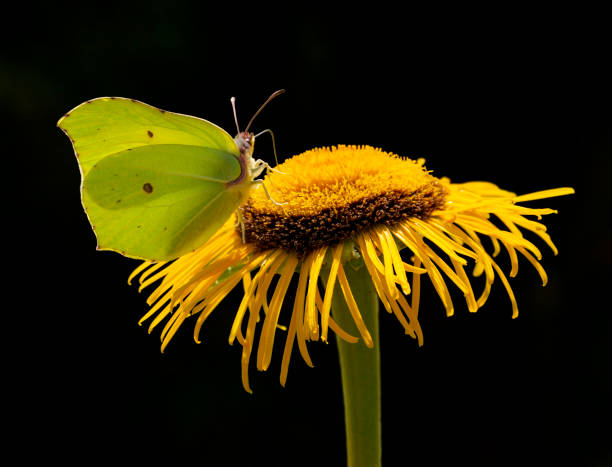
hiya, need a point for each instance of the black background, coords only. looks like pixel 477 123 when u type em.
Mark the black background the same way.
pixel 517 96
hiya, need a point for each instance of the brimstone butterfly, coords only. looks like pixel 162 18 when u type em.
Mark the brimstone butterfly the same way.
pixel 156 185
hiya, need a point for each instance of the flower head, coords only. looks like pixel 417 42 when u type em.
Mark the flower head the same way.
pixel 340 207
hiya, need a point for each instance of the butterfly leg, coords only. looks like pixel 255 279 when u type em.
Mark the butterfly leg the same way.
pixel 259 165
pixel 261 182
pixel 240 220
pixel 268 194
pixel 273 143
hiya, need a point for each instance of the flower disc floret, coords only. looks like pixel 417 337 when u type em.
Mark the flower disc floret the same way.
pixel 345 190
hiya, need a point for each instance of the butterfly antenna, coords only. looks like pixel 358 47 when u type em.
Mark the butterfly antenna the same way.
pixel 272 96
pixel 233 99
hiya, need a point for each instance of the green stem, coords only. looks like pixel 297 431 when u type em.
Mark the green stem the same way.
pixel 360 369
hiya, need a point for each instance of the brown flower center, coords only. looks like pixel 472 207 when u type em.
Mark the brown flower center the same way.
pixel 331 194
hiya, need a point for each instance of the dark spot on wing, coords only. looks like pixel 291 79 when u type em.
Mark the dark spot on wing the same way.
pixel 147 187
pixel 150 133
pixel 162 111
pixel 118 201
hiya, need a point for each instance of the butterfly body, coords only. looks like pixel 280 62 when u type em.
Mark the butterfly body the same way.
pixel 245 142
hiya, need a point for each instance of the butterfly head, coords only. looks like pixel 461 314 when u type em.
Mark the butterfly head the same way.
pixel 246 143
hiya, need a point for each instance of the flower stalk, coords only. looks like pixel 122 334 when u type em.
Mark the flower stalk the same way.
pixel 360 371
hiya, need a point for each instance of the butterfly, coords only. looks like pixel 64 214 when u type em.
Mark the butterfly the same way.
pixel 155 184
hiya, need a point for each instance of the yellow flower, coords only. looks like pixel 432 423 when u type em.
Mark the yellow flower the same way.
pixel 336 208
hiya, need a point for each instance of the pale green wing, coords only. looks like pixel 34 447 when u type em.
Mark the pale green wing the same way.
pixel 107 125
pixel 153 182
pixel 160 202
